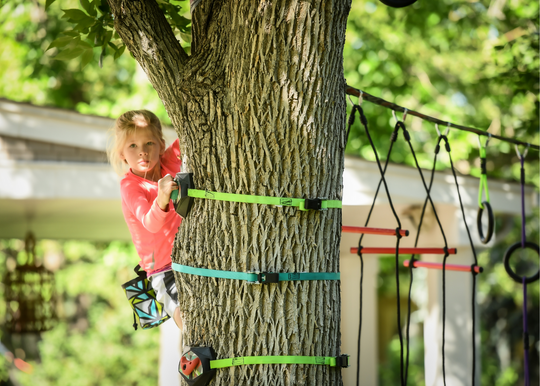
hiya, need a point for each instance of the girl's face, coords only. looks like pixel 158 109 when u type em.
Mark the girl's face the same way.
pixel 141 151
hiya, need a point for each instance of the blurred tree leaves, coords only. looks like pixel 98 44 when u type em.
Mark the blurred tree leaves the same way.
pixel 93 26
pixel 31 40
pixel 471 62
pixel 474 63
pixel 94 343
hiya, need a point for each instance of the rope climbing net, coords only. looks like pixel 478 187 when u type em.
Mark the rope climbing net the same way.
pixel 483 204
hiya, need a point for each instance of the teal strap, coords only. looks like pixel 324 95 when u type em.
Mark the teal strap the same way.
pixel 278 360
pixel 248 199
pixel 483 178
pixel 255 277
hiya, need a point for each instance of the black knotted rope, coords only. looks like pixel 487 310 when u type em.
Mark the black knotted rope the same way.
pixel 419 228
pixel 400 124
pixel 473 272
pixel 398 234
pixel 420 223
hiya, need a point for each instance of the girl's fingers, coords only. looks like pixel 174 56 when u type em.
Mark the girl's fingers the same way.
pixel 165 178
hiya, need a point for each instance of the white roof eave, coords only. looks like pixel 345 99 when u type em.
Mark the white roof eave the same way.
pixel 58 126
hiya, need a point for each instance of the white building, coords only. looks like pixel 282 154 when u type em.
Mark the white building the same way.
pixel 54 180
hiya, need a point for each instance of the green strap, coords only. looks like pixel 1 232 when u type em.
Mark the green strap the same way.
pixel 248 199
pixel 273 360
pixel 253 277
pixel 483 178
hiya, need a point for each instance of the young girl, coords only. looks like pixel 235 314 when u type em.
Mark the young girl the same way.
pixel 139 154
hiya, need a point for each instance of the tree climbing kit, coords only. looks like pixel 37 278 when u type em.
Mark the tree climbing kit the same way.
pixel 141 296
pixel 199 364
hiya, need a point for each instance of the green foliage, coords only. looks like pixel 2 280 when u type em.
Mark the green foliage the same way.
pixel 389 372
pixel 93 26
pixel 94 343
pixel 29 73
pixel 470 63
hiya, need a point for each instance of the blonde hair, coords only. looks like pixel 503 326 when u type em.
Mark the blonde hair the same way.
pixel 125 125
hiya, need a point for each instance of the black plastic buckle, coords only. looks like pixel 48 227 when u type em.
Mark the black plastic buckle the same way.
pixel 183 204
pixel 313 203
pixel 342 361
pixel 267 277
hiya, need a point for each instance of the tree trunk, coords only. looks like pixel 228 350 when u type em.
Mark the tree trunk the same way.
pixel 259 108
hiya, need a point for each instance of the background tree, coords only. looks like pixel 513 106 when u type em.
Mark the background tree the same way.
pixel 93 343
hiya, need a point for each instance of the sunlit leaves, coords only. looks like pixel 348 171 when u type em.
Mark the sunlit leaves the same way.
pixel 173 12
pixel 48 3
pixel 444 50
pixel 92 28
pixel 74 15
pixel 94 24
pixel 29 73
pixel 61 42
pixel 89 7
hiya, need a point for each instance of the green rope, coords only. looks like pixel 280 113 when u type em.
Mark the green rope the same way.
pixel 483 178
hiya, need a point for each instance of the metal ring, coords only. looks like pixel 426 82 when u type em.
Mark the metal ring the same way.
pixel 508 254
pixel 491 222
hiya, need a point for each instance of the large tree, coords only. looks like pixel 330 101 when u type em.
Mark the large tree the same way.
pixel 259 107
pixel 407 56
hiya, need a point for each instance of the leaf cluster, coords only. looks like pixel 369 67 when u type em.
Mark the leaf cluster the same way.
pixel 473 63
pixel 94 342
pixel 93 27
pixel 29 72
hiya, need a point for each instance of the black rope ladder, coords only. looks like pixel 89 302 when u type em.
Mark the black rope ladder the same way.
pixel 474 269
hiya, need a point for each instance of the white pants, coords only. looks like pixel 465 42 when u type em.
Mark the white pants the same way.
pixel 162 295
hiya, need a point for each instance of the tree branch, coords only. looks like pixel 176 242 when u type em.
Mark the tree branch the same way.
pixel 200 16
pixel 149 37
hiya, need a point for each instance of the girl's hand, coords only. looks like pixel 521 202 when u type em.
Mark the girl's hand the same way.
pixel 165 187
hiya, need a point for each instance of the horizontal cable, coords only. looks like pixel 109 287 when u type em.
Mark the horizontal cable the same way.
pixel 381 102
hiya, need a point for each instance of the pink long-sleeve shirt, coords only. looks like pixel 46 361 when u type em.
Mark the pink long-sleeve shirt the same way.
pixel 152 229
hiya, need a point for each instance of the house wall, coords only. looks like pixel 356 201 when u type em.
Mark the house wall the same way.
pixel 23 149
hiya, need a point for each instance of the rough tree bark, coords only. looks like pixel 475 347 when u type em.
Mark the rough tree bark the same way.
pixel 259 108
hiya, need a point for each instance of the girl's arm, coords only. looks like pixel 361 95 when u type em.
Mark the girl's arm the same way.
pixel 150 214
